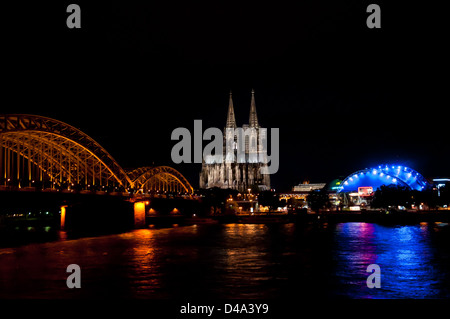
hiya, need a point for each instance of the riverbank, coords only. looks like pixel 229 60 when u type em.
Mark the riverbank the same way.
pixel 396 217
pixel 391 217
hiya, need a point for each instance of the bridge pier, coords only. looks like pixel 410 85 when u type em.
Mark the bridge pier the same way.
pixel 63 216
pixel 139 215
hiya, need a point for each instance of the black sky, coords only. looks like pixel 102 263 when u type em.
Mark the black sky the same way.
pixel 344 96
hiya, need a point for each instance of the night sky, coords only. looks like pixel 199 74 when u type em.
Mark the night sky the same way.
pixel 344 96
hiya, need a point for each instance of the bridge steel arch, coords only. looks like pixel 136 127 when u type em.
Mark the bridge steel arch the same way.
pixel 40 150
pixel 163 178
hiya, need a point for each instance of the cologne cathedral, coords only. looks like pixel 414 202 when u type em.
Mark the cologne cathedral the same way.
pixel 245 169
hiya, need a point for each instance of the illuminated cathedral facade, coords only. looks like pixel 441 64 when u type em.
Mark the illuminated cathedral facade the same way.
pixel 239 170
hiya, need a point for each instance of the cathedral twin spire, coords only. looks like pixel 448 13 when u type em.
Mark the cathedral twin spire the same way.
pixel 253 118
pixel 231 120
pixel 244 166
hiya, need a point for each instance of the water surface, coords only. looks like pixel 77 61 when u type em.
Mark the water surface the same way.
pixel 236 261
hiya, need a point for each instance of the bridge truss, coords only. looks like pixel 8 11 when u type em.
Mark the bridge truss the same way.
pixel 160 178
pixel 41 152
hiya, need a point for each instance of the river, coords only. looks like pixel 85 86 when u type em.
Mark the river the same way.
pixel 245 261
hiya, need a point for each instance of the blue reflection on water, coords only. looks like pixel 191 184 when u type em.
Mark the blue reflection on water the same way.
pixel 404 254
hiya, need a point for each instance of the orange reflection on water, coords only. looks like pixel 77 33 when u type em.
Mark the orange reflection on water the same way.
pixel 143 267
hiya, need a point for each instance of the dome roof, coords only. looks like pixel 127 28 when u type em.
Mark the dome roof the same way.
pixel 384 175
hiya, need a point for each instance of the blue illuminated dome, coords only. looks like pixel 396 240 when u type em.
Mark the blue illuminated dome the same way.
pixel 384 175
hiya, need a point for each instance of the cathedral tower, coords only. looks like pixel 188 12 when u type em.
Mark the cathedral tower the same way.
pixel 239 170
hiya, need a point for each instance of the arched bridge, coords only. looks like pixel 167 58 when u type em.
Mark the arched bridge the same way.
pixel 159 178
pixel 41 152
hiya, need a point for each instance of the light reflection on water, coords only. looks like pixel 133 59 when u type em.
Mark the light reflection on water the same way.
pixel 236 261
pixel 405 254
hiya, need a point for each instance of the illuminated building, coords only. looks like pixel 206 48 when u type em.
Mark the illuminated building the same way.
pixel 333 189
pixel 360 186
pixel 243 171
pixel 297 198
pixel 301 191
pixel 307 187
pixel 384 175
